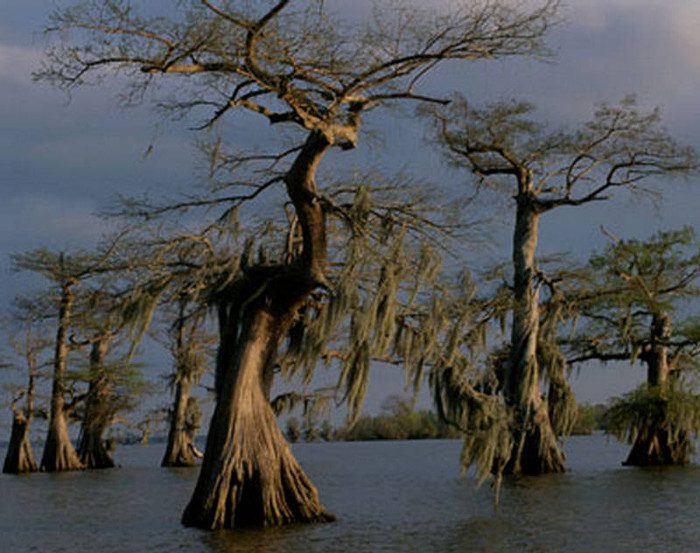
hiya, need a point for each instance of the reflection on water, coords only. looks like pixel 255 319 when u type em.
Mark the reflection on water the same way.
pixel 388 496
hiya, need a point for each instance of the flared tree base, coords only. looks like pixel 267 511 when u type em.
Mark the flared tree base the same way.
pixel 59 454
pixel 537 451
pixel 658 450
pixel 20 455
pixel 262 492
pixel 95 455
pixel 249 476
pixel 181 453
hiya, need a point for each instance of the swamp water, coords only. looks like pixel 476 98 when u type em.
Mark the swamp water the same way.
pixel 388 496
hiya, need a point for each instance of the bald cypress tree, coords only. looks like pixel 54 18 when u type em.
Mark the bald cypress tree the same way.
pixel 28 344
pixel 188 342
pixel 503 146
pixel 292 64
pixel 66 273
pixel 646 321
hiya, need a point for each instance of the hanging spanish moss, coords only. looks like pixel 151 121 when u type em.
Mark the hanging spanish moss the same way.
pixel 629 311
pixel 660 424
pixel 561 402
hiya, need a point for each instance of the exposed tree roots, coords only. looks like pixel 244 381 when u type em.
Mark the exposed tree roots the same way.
pixel 249 476
pixel 59 453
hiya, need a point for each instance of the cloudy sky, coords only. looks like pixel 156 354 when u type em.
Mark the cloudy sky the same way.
pixel 60 161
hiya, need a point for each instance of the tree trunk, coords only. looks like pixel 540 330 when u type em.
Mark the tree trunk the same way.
pixel 59 453
pixel 249 476
pixel 657 443
pixel 535 450
pixel 180 451
pixel 92 448
pixel 20 455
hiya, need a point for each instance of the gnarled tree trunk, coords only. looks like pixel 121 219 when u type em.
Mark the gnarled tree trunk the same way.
pixel 19 457
pixel 535 450
pixel 92 449
pixel 249 476
pixel 657 443
pixel 59 453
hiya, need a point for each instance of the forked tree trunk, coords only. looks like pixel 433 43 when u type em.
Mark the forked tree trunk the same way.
pixel 249 476
pixel 59 453
pixel 19 457
pixel 657 443
pixel 535 450
pixel 92 449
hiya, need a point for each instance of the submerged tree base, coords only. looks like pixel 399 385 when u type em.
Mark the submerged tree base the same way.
pixel 658 422
pixel 659 450
pixel 59 454
pixel 249 476
pixel 181 453
pixel 538 454
pixel 20 455
pixel 536 448
pixel 94 453
pixel 256 488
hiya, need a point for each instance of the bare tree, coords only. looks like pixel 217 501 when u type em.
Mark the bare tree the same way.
pixel 294 63
pixel 620 148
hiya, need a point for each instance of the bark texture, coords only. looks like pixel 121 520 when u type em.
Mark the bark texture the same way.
pixel 92 448
pixel 185 416
pixel 249 476
pixel 657 443
pixel 180 450
pixel 535 450
pixel 20 455
pixel 59 453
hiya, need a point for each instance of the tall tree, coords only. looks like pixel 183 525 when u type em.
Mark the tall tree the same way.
pixel 293 63
pixel 97 415
pixel 59 453
pixel 65 273
pixel 114 383
pixel 621 147
pixel 646 320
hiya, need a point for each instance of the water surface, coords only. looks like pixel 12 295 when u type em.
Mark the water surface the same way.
pixel 388 496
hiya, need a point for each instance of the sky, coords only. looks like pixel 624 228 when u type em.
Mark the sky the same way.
pixel 62 159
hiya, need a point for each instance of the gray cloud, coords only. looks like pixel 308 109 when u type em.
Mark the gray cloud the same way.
pixel 59 162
